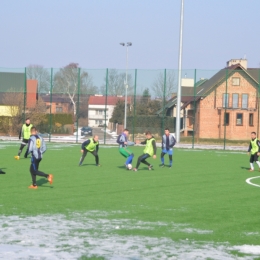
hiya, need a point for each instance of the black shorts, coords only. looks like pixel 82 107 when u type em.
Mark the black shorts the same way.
pixel 253 157
pixel 25 141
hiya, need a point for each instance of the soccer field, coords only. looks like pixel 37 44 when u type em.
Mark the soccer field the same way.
pixel 201 208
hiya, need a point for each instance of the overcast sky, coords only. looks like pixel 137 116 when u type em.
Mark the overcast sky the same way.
pixel 54 33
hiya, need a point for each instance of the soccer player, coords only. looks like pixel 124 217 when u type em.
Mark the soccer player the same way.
pixel 168 141
pixel 149 151
pixel 37 146
pixel 25 134
pixel 123 142
pixel 91 145
pixel 254 150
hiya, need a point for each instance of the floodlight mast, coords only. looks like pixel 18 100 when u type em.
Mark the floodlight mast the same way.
pixel 128 44
pixel 178 108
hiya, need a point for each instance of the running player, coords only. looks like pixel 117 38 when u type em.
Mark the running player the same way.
pixel 149 151
pixel 123 142
pixel 25 134
pixel 168 141
pixel 254 150
pixel 91 145
pixel 37 146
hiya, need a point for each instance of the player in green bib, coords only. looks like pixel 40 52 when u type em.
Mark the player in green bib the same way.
pixel 149 151
pixel 254 151
pixel 25 134
pixel 91 145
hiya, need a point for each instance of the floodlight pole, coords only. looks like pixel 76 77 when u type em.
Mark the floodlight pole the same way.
pixel 178 110
pixel 126 81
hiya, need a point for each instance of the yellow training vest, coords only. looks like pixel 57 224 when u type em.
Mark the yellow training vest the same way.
pixel 26 131
pixel 91 146
pixel 254 145
pixel 149 146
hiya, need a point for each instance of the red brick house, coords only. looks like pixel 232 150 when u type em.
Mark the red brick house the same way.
pixel 57 103
pixel 225 106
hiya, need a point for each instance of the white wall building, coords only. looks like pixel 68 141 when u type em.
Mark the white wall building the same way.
pixel 100 109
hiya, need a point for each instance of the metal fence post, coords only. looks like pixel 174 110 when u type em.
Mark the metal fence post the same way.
pixel 50 117
pixel 105 132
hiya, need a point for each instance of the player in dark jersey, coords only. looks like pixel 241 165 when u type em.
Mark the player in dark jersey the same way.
pixel 36 147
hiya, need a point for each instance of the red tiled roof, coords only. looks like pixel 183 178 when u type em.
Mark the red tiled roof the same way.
pixel 109 100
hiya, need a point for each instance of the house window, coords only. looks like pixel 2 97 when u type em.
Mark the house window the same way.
pixel 58 109
pixel 99 112
pixel 235 100
pixel 226 118
pixel 235 81
pixel 239 119
pixel 244 101
pixel 251 119
pixel 225 100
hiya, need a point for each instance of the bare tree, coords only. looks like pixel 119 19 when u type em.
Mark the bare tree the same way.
pixel 66 81
pixel 37 114
pixel 166 91
pixel 116 84
pixel 42 75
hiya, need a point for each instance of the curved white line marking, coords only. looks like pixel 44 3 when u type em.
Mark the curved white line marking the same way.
pixel 249 181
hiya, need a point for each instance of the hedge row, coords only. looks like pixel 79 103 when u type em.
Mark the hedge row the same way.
pixel 156 124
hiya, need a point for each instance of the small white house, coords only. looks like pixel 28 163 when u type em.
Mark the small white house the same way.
pixel 101 108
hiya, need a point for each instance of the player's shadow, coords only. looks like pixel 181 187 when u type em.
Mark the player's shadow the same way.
pixel 41 183
pixel 87 164
pixel 244 168
pixel 121 167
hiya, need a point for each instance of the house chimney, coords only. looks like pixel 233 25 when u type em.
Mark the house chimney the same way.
pixel 31 95
pixel 186 82
pixel 242 62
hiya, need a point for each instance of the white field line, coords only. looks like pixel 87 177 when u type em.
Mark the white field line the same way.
pixel 249 181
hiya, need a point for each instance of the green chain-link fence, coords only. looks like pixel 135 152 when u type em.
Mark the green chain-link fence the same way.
pixel 219 107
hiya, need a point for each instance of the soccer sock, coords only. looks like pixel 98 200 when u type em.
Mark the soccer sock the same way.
pixel 21 148
pixel 129 159
pixel 252 166
pixel 170 159
pixel 97 160
pixel 162 160
pixel 258 163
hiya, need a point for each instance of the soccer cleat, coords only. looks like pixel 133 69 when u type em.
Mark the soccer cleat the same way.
pixel 170 166
pixel 33 187
pixel 17 157
pixel 162 165
pixel 2 172
pixel 150 167
pixel 50 178
pixel 251 170
pixel 134 170
pixel 80 163
pixel 98 165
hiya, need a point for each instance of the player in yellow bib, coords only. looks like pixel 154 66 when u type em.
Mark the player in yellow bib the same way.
pixel 254 151
pixel 149 151
pixel 25 133
pixel 91 145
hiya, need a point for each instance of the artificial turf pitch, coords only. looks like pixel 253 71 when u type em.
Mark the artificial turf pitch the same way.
pixel 204 190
